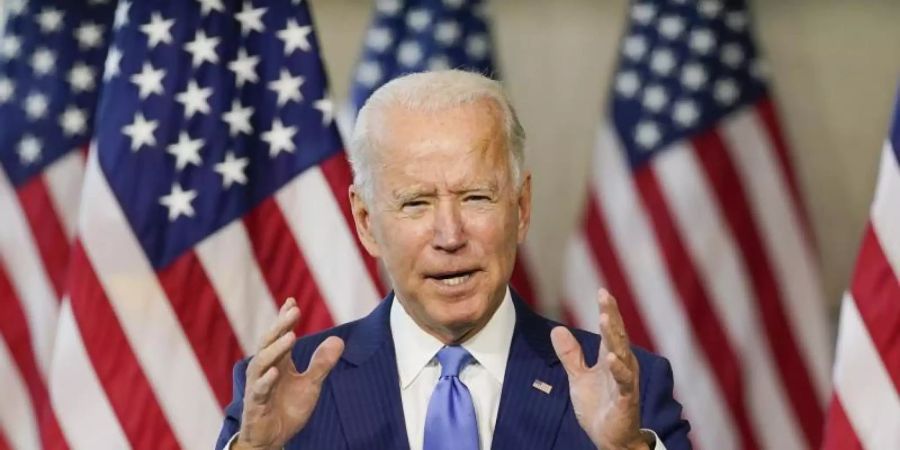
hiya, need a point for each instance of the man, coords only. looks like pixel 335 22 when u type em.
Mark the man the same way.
pixel 452 359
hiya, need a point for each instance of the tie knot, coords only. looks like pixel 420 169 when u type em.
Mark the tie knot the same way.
pixel 453 358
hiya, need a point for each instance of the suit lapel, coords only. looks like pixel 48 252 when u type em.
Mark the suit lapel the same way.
pixel 529 417
pixel 366 387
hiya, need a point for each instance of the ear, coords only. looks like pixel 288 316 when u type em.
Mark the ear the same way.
pixel 362 220
pixel 524 203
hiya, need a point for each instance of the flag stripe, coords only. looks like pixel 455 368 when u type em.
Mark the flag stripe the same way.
pixel 49 235
pixel 114 360
pixel 885 215
pixel 63 179
pixel 86 415
pixel 839 434
pixel 784 242
pixel 3 444
pixel 520 279
pixel 233 271
pixel 287 270
pixel 700 221
pixel 721 174
pixel 17 418
pixel 204 322
pixel 581 281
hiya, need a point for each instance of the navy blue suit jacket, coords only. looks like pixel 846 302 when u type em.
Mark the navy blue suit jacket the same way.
pixel 360 406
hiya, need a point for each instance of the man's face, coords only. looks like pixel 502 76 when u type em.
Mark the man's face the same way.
pixel 445 217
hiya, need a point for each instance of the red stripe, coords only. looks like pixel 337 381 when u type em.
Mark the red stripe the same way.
pixel 14 331
pixel 703 320
pixel 339 176
pixel 284 267
pixel 49 235
pixel 521 280
pixel 596 233
pixel 203 320
pixel 794 375
pixel 839 434
pixel 877 293
pixel 114 362
pixel 3 444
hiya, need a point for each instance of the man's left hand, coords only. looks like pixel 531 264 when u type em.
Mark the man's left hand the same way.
pixel 606 396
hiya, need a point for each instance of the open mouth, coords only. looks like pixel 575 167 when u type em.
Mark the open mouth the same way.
pixel 455 278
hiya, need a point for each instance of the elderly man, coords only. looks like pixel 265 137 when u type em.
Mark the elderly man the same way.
pixel 452 359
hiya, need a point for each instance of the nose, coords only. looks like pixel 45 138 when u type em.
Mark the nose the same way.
pixel 449 232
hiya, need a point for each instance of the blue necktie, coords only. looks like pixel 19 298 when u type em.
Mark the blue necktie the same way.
pixel 450 423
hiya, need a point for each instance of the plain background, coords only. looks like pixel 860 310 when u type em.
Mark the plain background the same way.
pixel 834 65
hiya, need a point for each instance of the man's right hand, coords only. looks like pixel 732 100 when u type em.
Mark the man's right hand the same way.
pixel 278 400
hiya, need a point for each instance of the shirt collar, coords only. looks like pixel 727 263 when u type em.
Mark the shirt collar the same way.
pixel 415 348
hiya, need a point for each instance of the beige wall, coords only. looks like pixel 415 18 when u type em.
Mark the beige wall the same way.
pixel 835 66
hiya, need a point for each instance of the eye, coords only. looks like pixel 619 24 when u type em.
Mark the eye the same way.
pixel 414 204
pixel 477 198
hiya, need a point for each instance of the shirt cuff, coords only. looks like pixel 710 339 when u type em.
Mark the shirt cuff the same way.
pixel 659 442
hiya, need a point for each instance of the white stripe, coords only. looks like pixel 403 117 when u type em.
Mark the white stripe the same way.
pixel 581 283
pixel 63 180
pixel 634 241
pixel 328 245
pixel 886 208
pixel 228 259
pixel 785 243
pixel 85 415
pixel 146 316
pixel 27 274
pixel 863 383
pixel 17 420
pixel 716 257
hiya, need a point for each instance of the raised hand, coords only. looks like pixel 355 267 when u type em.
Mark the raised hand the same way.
pixel 278 400
pixel 606 396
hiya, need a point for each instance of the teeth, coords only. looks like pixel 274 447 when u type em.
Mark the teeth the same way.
pixel 455 281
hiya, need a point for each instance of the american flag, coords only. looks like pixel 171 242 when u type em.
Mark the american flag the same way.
pixel 408 36
pixel 215 187
pixel 51 56
pixel 865 405
pixel 693 221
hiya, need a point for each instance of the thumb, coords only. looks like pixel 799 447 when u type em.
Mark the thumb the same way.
pixel 324 358
pixel 568 350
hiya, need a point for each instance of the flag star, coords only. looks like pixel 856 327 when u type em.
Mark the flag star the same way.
pixel 647 134
pixel 158 30
pixel 186 151
pixel 726 91
pixel 295 37
pixel 280 138
pixel 179 202
pixel 113 60
pixel 447 32
pixel 655 98
pixel 251 19
pixel 89 35
pixel 628 83
pixel 15 7
pixel 10 46
pixel 635 47
pixel 141 132
pixel 379 39
pixel 702 41
pixel 50 20
pixel 418 19
pixel 73 121
pixel 122 14
pixel 685 113
pixel 244 68
pixel 643 13
pixel 662 61
pixel 7 88
pixel 238 119
pixel 453 4
pixel 438 62
pixel 149 81
pixel 409 53
pixel 732 55
pixel 477 46
pixel 287 87
pixel 326 107
pixel 693 76
pixel 36 105
pixel 710 8
pixel 208 6
pixel 42 61
pixel 194 99
pixel 388 7
pixel 232 170
pixel 671 27
pixel 759 69
pixel 369 73
pixel 98 2
pixel 202 49
pixel 736 20
pixel 30 149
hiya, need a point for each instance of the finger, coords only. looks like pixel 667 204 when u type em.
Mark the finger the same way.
pixel 262 388
pixel 288 316
pixel 324 359
pixel 622 373
pixel 612 327
pixel 567 350
pixel 269 356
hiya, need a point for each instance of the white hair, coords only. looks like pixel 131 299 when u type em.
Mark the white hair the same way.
pixel 432 91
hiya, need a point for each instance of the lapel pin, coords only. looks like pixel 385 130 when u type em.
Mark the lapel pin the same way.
pixel 542 386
